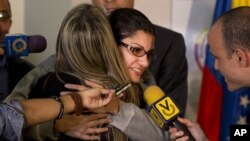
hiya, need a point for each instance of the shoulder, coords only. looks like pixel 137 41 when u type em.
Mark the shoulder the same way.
pixel 159 31
pixel 52 84
pixel 167 38
pixel 19 64
pixel 17 69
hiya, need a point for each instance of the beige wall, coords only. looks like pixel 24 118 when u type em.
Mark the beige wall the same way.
pixel 17 7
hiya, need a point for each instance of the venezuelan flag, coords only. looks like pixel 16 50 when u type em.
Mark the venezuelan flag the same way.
pixel 219 108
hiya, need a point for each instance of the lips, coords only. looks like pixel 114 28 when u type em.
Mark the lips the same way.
pixel 110 9
pixel 137 71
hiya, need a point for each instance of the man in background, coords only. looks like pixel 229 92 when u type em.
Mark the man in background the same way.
pixel 12 69
pixel 229 40
pixel 170 69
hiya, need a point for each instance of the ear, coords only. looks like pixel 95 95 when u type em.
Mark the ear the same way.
pixel 242 57
pixel 10 22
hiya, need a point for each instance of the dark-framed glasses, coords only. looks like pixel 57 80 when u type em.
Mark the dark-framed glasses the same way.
pixel 4 15
pixel 139 51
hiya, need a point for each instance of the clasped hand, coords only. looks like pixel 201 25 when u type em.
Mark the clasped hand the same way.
pixel 109 106
pixel 89 127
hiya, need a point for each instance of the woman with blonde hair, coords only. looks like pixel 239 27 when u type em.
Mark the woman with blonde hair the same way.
pixel 88 54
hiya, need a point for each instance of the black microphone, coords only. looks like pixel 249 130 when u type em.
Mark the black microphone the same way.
pixel 163 110
pixel 22 45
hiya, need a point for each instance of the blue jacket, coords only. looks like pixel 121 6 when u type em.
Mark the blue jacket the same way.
pixel 11 121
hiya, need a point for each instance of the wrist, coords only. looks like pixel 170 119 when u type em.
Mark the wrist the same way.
pixel 61 112
pixel 78 103
pixel 116 110
pixel 69 104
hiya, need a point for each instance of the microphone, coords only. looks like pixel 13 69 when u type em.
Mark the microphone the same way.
pixel 22 45
pixel 163 110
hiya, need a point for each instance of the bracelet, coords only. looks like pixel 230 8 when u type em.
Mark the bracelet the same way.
pixel 78 103
pixel 58 99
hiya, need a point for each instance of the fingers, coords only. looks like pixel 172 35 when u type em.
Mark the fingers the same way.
pixel 92 84
pixel 94 123
pixel 94 117
pixel 108 97
pixel 184 138
pixel 73 87
pixel 76 87
pixel 99 110
pixel 90 137
pixel 95 120
pixel 94 133
pixel 64 93
pixel 172 132
pixel 176 135
pixel 104 93
pixel 91 97
pixel 120 95
pixel 89 126
pixel 97 130
pixel 96 97
pixel 187 122
pixel 100 123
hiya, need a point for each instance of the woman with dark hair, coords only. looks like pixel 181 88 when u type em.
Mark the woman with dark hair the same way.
pixel 88 52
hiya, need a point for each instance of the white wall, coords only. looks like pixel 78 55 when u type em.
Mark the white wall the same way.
pixel 180 15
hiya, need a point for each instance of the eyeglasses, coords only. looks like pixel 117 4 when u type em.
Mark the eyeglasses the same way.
pixel 139 51
pixel 4 15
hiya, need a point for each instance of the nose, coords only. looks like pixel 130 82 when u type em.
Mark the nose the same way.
pixel 143 61
pixel 109 0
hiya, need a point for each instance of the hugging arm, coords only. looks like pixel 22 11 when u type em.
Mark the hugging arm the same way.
pixel 28 82
pixel 131 120
pixel 22 90
pixel 137 124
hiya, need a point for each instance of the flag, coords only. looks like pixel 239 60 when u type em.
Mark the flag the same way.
pixel 218 107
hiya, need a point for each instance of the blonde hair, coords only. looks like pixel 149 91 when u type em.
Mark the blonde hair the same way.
pixel 87 49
